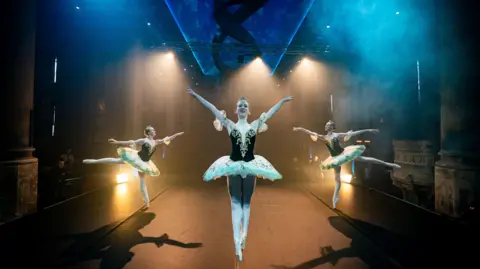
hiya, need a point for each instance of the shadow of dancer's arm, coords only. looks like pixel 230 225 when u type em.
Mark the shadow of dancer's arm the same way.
pixel 332 257
pixel 159 241
pixel 182 245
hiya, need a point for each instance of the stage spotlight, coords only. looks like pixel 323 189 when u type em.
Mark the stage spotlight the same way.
pixel 122 178
pixel 257 60
pixel 328 26
pixel 148 24
pixel 397 13
pixel 170 55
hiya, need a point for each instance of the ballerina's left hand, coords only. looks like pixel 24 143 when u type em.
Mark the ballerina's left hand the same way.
pixel 177 134
pixel 290 98
pixel 375 131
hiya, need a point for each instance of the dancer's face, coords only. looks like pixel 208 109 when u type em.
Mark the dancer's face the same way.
pixel 152 132
pixel 242 109
pixel 329 127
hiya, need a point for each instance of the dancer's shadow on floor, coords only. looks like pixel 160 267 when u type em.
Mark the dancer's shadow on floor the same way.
pixel 114 249
pixel 360 247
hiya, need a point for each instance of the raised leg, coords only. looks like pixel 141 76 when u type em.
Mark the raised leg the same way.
pixel 235 190
pixel 143 189
pixel 247 192
pixel 338 185
pixel 377 161
pixel 104 160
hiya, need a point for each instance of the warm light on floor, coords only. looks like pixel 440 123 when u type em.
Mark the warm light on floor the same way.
pixel 122 178
pixel 346 178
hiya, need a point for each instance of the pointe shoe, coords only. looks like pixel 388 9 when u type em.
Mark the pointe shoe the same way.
pixel 243 242
pixel 335 201
pixel 88 161
pixel 239 253
pixel 394 166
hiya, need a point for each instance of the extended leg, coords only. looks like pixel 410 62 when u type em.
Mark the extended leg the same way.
pixel 338 184
pixel 235 190
pixel 247 192
pixel 104 160
pixel 376 161
pixel 143 189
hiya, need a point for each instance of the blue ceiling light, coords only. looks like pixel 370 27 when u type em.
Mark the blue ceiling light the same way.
pixel 195 21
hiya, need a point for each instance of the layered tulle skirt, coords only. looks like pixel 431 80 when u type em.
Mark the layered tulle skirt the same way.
pixel 349 153
pixel 258 167
pixel 130 157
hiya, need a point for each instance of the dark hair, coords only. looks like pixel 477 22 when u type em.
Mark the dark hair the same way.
pixel 242 99
pixel 332 123
pixel 148 129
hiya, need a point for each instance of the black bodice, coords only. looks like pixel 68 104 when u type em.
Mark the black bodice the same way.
pixel 242 150
pixel 334 147
pixel 146 152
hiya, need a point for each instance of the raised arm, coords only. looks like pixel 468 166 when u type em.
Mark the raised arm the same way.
pixel 167 139
pixel 308 132
pixel 259 124
pixel 207 104
pixel 125 143
pixel 276 107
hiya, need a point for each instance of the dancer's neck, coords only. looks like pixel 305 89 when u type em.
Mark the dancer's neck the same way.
pixel 242 121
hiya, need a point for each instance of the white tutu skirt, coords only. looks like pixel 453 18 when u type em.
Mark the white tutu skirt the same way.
pixel 258 167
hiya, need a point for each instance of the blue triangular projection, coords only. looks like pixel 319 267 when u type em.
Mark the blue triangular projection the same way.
pixel 274 24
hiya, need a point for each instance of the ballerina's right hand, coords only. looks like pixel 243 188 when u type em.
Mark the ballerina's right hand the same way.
pixel 295 129
pixel 190 91
pixel 111 140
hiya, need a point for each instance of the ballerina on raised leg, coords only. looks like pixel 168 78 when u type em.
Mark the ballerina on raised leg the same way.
pixel 340 155
pixel 139 160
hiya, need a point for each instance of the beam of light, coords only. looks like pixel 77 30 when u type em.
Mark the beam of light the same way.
pixel 55 71
pixel 418 83
pixel 294 34
pixel 184 35
pixel 170 55
pixel 122 178
pixel 353 167
pixel 331 103
pixel 53 123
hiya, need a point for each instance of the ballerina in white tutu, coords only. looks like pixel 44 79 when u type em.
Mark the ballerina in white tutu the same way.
pixel 242 166
pixel 340 155
pixel 139 160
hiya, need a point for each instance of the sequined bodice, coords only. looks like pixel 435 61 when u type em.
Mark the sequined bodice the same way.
pixel 333 146
pixel 242 147
pixel 146 152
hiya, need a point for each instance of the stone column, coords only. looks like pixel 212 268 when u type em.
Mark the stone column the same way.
pixel 18 167
pixel 457 171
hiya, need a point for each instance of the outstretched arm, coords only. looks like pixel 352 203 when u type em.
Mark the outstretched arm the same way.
pixel 208 105
pixel 310 133
pixel 359 132
pixel 167 139
pixel 125 143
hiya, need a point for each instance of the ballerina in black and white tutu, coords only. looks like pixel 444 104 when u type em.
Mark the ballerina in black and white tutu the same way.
pixel 340 155
pixel 242 166
pixel 138 160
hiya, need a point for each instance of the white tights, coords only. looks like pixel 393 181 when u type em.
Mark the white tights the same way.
pixel 143 186
pixel 241 192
